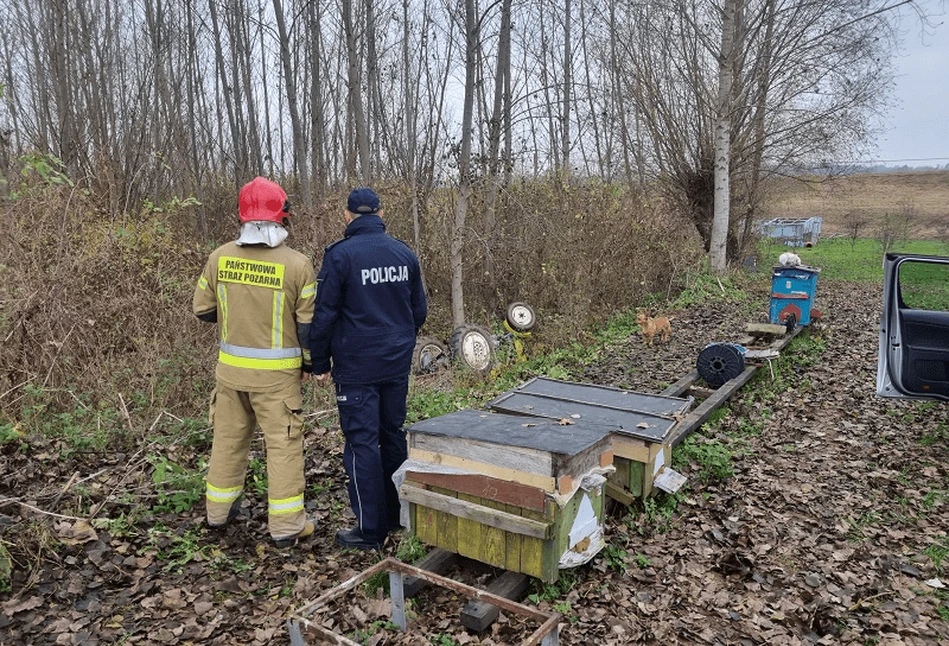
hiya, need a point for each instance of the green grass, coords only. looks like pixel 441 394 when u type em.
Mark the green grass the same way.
pixel 938 553
pixel 616 558
pixel 711 456
pixel 861 261
pixel 925 286
pixel 177 488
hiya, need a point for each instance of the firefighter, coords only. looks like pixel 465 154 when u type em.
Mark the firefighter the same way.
pixel 369 308
pixel 261 295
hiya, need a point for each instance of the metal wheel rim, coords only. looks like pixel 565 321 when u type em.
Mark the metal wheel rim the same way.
pixel 522 316
pixel 429 355
pixel 476 350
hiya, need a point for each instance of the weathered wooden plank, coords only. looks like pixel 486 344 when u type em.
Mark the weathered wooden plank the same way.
pixel 438 561
pixel 446 526
pixel 532 556
pixel 503 456
pixel 704 410
pixel 493 544
pixel 781 343
pixel 606 459
pixel 630 449
pixel 471 511
pixel 701 393
pixel 512 544
pixel 620 477
pixel 469 529
pixel 619 494
pixel 763 329
pixel 547 483
pixel 637 472
pixel 583 462
pixel 425 528
pixel 476 484
pixel 681 386
pixel 478 615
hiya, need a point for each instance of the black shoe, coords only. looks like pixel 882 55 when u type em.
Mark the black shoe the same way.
pixel 232 513
pixel 289 541
pixel 354 539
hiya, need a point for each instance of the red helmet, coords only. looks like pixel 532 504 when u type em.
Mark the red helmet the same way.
pixel 262 199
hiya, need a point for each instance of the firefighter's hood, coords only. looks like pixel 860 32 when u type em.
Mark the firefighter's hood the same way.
pixel 262 232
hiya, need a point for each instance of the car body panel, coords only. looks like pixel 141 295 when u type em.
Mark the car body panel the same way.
pixel 913 360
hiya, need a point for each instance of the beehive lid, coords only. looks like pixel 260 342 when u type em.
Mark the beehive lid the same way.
pixel 513 430
pixel 640 415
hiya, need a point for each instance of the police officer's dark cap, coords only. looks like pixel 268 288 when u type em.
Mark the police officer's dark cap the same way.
pixel 363 200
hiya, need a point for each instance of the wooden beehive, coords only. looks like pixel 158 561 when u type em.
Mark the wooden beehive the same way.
pixel 640 424
pixel 491 482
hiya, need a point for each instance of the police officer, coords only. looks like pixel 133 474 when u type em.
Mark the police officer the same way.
pixel 370 304
pixel 261 295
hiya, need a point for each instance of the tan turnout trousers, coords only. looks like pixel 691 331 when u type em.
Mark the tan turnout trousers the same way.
pixel 234 414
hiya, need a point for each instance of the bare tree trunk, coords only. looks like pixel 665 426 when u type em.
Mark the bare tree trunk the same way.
pixel 252 139
pixel 299 140
pixel 233 36
pixel 264 81
pixel 501 108
pixel 719 238
pixel 758 119
pixel 567 87
pixel 585 38
pixel 546 83
pixel 358 115
pixel 227 95
pixel 317 120
pixel 464 165
pixel 411 125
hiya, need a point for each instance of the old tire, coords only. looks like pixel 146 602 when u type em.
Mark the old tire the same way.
pixel 473 347
pixel 429 355
pixel 521 317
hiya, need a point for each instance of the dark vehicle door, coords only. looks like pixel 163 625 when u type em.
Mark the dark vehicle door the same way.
pixel 914 329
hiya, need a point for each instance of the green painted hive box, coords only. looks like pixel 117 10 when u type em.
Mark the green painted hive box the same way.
pixel 525 495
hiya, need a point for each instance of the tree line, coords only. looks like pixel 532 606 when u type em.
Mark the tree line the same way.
pixel 157 98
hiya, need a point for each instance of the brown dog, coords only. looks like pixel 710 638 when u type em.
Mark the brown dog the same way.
pixel 650 327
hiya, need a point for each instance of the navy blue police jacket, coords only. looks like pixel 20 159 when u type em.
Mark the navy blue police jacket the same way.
pixel 370 303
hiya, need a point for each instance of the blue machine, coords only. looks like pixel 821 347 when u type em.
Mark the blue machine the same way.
pixel 792 295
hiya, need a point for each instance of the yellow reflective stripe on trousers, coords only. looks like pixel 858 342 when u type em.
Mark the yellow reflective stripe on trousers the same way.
pixel 259 364
pixel 276 329
pixel 222 300
pixel 308 291
pixel 229 494
pixel 203 282
pixel 282 506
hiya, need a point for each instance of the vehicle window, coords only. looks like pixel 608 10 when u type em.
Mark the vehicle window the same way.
pixel 924 285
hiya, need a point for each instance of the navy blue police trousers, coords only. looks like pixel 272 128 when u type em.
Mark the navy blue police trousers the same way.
pixel 371 418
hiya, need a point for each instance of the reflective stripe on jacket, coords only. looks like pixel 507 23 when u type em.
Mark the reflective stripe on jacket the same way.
pixel 260 295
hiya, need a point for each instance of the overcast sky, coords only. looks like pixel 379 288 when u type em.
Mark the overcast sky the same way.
pixel 920 119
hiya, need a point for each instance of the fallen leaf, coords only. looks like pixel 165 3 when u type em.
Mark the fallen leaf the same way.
pixel 77 533
pixel 14 606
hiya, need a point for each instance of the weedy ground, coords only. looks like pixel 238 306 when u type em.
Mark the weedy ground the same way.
pixel 813 511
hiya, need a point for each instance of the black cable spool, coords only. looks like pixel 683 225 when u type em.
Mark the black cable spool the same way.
pixel 720 362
